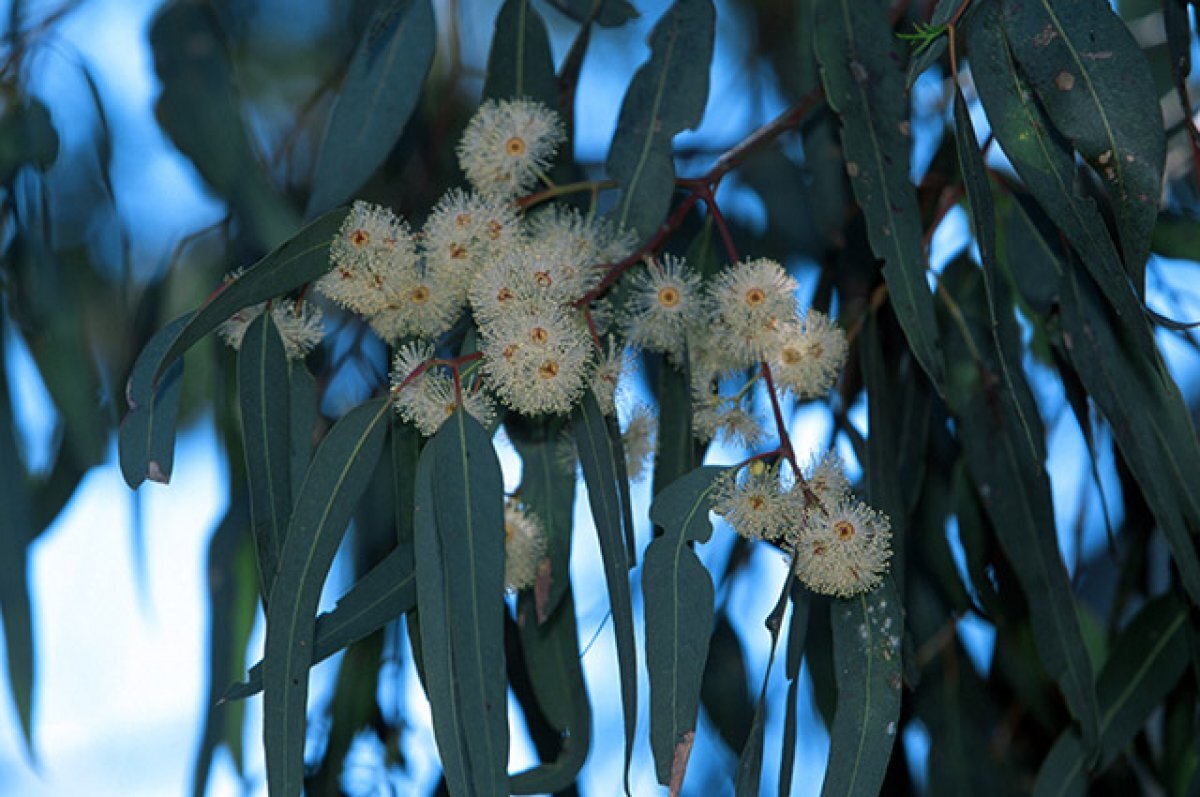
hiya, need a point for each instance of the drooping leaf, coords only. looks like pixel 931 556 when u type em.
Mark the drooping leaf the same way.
pixel 201 112
pixel 725 687
pixel 552 656
pixel 263 396
pixel 377 97
pixel 1002 438
pixel 548 491
pixel 387 591
pixel 865 86
pixel 1045 161
pixel 144 442
pixel 233 601
pixel 1149 419
pixel 749 771
pixel 1145 663
pixel 605 13
pixel 336 479
pixel 679 617
pixel 520 63
pixel 667 95
pixel 1095 85
pixel 15 534
pixel 302 418
pixel 866 658
pixel 596 455
pixel 927 56
pixel 27 137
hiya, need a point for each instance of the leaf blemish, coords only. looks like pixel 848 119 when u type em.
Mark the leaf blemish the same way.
pixel 1064 80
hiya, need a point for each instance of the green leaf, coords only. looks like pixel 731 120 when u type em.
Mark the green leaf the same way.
pixel 1149 420
pixel 1045 161
pixel 520 63
pixel 201 112
pixel 382 85
pixel 548 490
pixel 1096 87
pixel 552 657
pixel 336 479
pixel 302 419
pixel 679 619
pixel 1147 660
pixel 233 603
pixel 388 590
pixel 605 13
pixel 27 137
pixel 1002 436
pixel 596 455
pixel 263 393
pixel 15 534
pixel 667 95
pixel 145 449
pixel 933 40
pixel 865 86
pixel 749 771
pixel 866 659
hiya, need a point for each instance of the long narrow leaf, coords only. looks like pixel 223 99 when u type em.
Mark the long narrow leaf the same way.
pixel 336 480
pixel 520 63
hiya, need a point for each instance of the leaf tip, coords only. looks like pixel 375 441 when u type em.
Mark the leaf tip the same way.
pixel 683 751
pixel 155 473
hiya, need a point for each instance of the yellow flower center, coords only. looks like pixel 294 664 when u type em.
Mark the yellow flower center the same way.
pixel 539 335
pixel 462 220
pixel 757 503
pixel 844 530
pixel 668 296
pixel 548 370
pixel 755 296
pixel 791 355
pixel 504 294
pixel 515 146
pixel 419 294
pixel 458 251
pixel 360 238
pixel 494 229
pixel 543 279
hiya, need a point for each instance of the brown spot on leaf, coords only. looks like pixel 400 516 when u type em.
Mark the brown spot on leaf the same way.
pixel 541 590
pixel 683 751
pixel 1047 35
pixel 154 473
pixel 852 169
pixel 1064 80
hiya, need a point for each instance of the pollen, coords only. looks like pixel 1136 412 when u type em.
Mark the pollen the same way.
pixel 462 220
pixel 668 296
pixel 539 335
pixel 755 296
pixel 515 146
pixel 360 238
pixel 419 294
pixel 844 530
pixel 548 370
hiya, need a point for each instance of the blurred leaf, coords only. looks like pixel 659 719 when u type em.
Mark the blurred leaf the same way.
pixel 146 448
pixel 1149 419
pixel 459 532
pixel 1146 661
pixel 1044 160
pixel 749 771
pixel 232 604
pixel 302 420
pixel 200 110
pixel 667 94
pixel 599 451
pixel 352 709
pixel 548 490
pixel 678 594
pixel 866 656
pixel 787 752
pixel 27 137
pixel 605 13
pixel 520 64
pixel 387 591
pixel 263 394
pixel 378 95
pixel 553 659
pixel 336 479
pixel 724 688
pixel 1095 85
pixel 865 86
pixel 15 534
pixel 1002 438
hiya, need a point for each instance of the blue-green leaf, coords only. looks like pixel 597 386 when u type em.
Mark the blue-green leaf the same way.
pixel 520 63
pixel 1046 163
pixel 1146 662
pixel 459 534
pixel 388 590
pixel 679 618
pixel 667 95
pixel 594 440
pixel 866 660
pixel 605 13
pixel 15 534
pixel 864 84
pixel 263 396
pixel 301 259
pixel 302 418
pixel 1002 440
pixel 146 437
pixel 377 98
pixel 749 771
pixel 552 658
pixel 336 479
pixel 1096 86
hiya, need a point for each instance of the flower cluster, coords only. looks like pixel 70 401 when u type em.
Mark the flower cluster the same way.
pixel 299 324
pixel 524 546
pixel 840 545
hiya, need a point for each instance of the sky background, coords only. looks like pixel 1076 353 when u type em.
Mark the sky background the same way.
pixel 122 652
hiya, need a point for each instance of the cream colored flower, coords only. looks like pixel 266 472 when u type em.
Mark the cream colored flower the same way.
pixel 664 300
pixel 751 500
pixel 843 551
pixel 372 252
pixel 752 301
pixel 808 355
pixel 524 546
pixel 507 145
pixel 537 360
